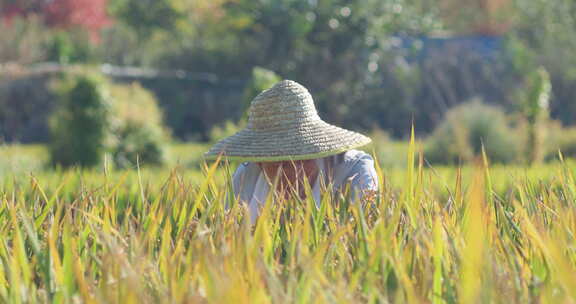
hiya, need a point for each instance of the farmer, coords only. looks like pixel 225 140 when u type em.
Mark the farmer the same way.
pixel 286 138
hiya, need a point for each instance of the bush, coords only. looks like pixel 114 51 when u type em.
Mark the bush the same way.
pixel 134 104
pixel 561 139
pixel 465 128
pixel 80 125
pixel 139 132
pixel 568 143
pixel 95 116
pixel 139 144
pixel 69 46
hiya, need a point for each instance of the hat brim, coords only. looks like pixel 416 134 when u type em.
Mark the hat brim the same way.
pixel 314 140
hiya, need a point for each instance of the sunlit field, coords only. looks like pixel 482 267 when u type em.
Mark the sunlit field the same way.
pixel 109 108
pixel 440 235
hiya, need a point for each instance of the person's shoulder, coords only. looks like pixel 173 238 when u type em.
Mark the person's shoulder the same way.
pixel 245 176
pixel 347 161
pixel 354 156
pixel 246 168
pixel 356 167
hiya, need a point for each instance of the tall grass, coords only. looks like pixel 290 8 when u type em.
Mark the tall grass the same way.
pixel 145 237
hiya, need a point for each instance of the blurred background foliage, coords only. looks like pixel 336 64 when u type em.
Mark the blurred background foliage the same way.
pixel 94 118
pixel 80 125
pixel 140 136
pixel 466 129
pixel 375 66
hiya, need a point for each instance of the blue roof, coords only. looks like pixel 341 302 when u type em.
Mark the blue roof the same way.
pixel 418 48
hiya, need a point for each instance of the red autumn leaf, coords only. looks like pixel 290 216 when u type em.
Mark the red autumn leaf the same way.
pixel 88 14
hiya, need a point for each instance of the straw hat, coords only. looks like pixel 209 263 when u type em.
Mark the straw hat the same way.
pixel 283 125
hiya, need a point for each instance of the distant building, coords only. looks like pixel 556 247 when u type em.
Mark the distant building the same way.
pixel 467 62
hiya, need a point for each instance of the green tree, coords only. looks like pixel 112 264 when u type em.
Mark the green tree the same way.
pixel 80 127
pixel 147 16
pixel 534 106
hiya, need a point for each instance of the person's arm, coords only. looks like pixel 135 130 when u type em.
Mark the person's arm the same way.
pixel 237 178
pixel 244 180
pixel 363 178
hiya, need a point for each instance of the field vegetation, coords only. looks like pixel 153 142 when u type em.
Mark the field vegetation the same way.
pixel 479 234
pixel 102 202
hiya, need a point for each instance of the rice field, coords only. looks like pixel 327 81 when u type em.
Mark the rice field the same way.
pixel 478 234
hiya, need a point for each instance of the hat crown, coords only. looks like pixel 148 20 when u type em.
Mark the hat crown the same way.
pixel 286 105
pixel 283 125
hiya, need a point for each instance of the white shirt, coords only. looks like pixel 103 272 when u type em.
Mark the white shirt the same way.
pixel 354 167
